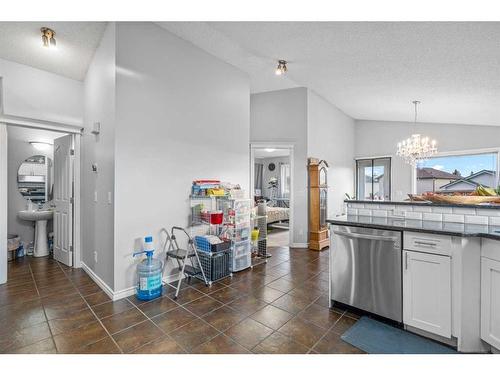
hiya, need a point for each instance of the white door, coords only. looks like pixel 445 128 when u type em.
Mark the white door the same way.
pixel 63 199
pixel 427 292
pixel 490 301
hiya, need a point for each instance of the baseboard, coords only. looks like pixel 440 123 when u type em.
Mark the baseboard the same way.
pixel 127 292
pixel 105 287
pixel 300 245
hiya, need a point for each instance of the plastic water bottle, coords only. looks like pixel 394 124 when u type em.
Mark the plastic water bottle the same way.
pixel 149 273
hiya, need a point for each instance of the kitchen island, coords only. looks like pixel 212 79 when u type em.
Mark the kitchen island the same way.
pixel 447 273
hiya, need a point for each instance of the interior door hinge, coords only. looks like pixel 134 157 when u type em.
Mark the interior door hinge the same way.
pixel 72 200
pixel 71 248
pixel 72 152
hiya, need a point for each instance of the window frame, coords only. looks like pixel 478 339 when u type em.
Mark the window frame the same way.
pixel 492 150
pixel 372 159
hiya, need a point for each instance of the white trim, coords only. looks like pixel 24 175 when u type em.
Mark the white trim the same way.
pixel 3 202
pixel 127 292
pixel 299 245
pixel 77 243
pixel 40 124
pixel 291 156
pixel 105 287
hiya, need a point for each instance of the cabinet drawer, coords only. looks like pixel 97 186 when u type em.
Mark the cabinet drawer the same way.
pixel 427 243
pixel 490 249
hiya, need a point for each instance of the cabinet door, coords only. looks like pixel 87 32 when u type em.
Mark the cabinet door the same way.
pixel 427 292
pixel 490 301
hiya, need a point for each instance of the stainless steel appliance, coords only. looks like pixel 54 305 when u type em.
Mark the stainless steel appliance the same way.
pixel 365 270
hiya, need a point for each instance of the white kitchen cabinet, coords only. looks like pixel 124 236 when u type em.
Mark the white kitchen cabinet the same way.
pixel 427 292
pixel 490 301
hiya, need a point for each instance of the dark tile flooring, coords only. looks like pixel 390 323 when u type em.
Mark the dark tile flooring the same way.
pixel 278 307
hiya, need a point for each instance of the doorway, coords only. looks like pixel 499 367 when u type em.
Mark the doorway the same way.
pixel 271 180
pixel 42 186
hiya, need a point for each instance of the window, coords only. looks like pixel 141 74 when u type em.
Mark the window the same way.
pixel 285 180
pixel 373 178
pixel 457 174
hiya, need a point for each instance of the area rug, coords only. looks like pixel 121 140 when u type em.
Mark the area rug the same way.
pixel 376 337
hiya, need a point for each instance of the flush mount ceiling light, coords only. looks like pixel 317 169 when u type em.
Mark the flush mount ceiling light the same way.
pixel 281 68
pixel 41 146
pixel 48 37
pixel 416 148
pixel 270 149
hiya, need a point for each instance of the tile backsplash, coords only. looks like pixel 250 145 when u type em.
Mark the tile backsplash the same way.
pixel 468 215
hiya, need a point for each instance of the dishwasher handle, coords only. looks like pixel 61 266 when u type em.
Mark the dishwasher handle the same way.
pixel 365 236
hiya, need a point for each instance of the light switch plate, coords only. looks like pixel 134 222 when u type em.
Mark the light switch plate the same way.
pixel 95 196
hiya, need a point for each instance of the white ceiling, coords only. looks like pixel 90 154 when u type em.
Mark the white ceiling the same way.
pixel 76 42
pixel 370 70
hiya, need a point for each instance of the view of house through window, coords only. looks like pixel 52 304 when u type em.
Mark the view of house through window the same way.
pixel 459 174
pixel 373 178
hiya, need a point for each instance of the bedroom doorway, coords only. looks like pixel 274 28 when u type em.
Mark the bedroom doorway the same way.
pixel 271 181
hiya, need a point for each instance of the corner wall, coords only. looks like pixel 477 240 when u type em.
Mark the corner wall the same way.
pixel 97 215
pixel 181 114
pixel 330 136
pixel 281 117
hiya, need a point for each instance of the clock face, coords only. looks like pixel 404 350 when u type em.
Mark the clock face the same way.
pixel 271 166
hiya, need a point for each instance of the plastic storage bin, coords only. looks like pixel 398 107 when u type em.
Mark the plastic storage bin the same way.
pixel 241 248
pixel 202 244
pixel 238 233
pixel 216 266
pixel 241 263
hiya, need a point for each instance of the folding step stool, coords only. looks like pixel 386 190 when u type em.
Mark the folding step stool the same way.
pixel 182 256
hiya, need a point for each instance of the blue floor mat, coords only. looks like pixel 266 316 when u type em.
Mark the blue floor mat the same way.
pixel 376 337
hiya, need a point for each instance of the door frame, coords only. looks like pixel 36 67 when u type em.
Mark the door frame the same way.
pixel 290 147
pixel 77 132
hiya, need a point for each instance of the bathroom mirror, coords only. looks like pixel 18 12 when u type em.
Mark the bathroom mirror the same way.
pixel 34 178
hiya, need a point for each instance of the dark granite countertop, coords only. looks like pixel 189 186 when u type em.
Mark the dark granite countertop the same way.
pixel 418 203
pixel 425 226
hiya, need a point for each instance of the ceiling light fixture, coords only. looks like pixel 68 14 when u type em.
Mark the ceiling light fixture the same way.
pixel 270 149
pixel 48 37
pixel 41 146
pixel 281 68
pixel 416 148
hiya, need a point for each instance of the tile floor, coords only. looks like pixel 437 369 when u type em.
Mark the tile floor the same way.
pixel 278 307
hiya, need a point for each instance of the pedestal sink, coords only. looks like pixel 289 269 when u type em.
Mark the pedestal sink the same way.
pixel 40 217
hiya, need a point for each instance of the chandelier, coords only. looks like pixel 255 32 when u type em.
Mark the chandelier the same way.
pixel 416 148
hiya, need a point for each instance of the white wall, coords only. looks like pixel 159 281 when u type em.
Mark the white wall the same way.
pixel 330 136
pixel 281 117
pixel 378 138
pixel 181 114
pixel 34 93
pixel 3 203
pixel 97 218
pixel 19 150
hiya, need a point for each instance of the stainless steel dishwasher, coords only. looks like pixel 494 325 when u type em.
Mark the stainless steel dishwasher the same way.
pixel 365 270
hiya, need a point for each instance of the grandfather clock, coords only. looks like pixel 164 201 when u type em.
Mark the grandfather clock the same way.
pixel 318 190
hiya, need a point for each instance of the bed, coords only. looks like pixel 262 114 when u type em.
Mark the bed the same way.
pixel 277 214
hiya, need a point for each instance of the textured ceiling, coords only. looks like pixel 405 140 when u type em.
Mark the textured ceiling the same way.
pixel 76 42
pixel 370 70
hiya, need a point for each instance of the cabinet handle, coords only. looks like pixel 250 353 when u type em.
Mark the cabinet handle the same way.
pixel 406 261
pixel 423 243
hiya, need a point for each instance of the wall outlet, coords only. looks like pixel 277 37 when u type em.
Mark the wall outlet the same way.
pixel 95 256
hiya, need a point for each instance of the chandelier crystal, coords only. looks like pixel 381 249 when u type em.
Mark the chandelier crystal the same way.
pixel 416 148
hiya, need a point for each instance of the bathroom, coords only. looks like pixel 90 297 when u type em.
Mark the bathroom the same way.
pixel 31 179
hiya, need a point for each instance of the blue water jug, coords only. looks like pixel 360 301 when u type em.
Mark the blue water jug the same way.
pixel 149 273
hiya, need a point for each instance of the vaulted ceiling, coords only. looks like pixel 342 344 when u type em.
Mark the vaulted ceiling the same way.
pixel 76 43
pixel 370 70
